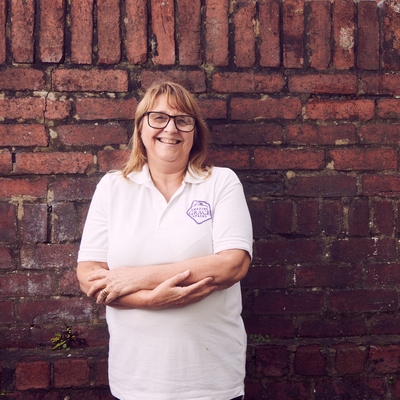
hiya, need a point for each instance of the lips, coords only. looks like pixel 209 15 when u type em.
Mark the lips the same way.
pixel 168 141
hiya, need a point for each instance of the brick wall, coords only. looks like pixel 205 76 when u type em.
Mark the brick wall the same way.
pixel 302 98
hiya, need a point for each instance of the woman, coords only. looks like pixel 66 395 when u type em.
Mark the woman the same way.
pixel 165 243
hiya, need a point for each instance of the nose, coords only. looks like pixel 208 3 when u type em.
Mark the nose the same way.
pixel 171 125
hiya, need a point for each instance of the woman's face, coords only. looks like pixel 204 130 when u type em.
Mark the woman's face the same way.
pixel 168 147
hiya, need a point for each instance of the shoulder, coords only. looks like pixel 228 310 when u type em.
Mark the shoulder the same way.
pixel 112 181
pixel 224 174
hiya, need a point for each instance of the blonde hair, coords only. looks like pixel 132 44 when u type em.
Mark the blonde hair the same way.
pixel 179 98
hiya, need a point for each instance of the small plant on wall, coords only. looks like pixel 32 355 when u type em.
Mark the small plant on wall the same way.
pixel 65 340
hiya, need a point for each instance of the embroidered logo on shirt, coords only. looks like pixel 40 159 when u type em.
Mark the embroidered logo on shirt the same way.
pixel 199 211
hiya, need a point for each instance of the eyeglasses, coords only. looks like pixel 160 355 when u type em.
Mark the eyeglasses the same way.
pixel 159 120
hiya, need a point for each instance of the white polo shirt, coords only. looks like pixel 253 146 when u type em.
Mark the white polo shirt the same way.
pixel 191 353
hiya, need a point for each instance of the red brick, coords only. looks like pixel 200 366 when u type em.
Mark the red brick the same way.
pixel 364 159
pixel 23 135
pixel 272 360
pixel 68 220
pixel 52 25
pixel 65 309
pixel 362 300
pixel 49 256
pixel 5 162
pixel 32 375
pixel 69 284
pixel 358 249
pixel 320 34
pixel 163 29
pixel 359 218
pixel 268 108
pixel 350 358
pixel 383 217
pixel 323 83
pixel 331 275
pixel 356 388
pixel 22 30
pixel 57 109
pixel 247 134
pixel 287 251
pixel 53 163
pixel 25 285
pixel 332 217
pixel 385 359
pixel 307 218
pixel 340 110
pixel 136 31
pixel 382 274
pixel 7 312
pixel 92 134
pixel 322 186
pixel 71 372
pixel 308 360
pixel 368 36
pixel 194 81
pixel 271 277
pixel 390 30
pixel 212 108
pixel 288 159
pixel 81 31
pixel 22 79
pixel 34 223
pixel 293 33
pixel 3 40
pixel 332 328
pixel 381 84
pixel 108 31
pixel 23 187
pixel 101 372
pixel 234 158
pixel 232 82
pixel 258 214
pixel 269 14
pixel 110 160
pixel 321 134
pixel 6 261
pixel 285 390
pixel 281 217
pixel 8 221
pixel 244 38
pixel 73 189
pixel 388 324
pixel 217 33
pixel 381 185
pixel 289 303
pixel 274 327
pixel 76 80
pixel 189 28
pixel 89 108
pixel 389 108
pixel 343 33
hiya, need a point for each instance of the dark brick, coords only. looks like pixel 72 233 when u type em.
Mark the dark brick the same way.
pixel 385 359
pixel 382 274
pixel 271 277
pixel 34 223
pixel 359 218
pixel 350 358
pixel 332 328
pixel 308 361
pixel 280 217
pixel 8 221
pixel 332 218
pixel 308 218
pixel 272 360
pixel 71 372
pixel 383 218
pixel 356 388
pixel 32 375
pixel 381 185
pixel 269 14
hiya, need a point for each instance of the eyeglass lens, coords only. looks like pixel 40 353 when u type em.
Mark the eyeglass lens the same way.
pixel 183 123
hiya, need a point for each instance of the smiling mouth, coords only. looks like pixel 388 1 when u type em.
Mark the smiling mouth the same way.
pixel 168 141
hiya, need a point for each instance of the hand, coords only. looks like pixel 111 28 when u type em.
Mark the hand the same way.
pixel 169 295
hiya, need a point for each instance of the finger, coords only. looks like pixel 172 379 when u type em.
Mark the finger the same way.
pixel 200 284
pixel 178 278
pixel 99 275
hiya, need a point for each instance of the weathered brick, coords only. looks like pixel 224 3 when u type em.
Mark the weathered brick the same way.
pixel 101 372
pixel 34 223
pixel 232 82
pixel 271 277
pixel 3 42
pixel 245 37
pixel 380 84
pixel 383 217
pixel 32 375
pixel 49 256
pixel 322 186
pixel 53 163
pixel 272 360
pixel 267 108
pixel 234 158
pixel 163 28
pixel 332 328
pixel 332 217
pixel 308 360
pixel 343 13
pixel 68 220
pixel 362 300
pixel 323 83
pixel 136 31
pixel 71 372
pixel 289 303
pixel 269 14
pixel 274 327
pixel 76 80
pixel 8 223
pixel 108 31
pixel 248 134
pixel 385 359
pixel 5 162
pixel 381 185
pixel 26 108
pixel 340 110
pixel 355 388
pixel 285 390
pixel 110 160
pixel 368 36
pixel 69 284
pixel 216 50
pixel 388 324
pixel 380 134
pixel 92 134
pixel 389 108
pixel 288 159
pixel 321 134
pixel 89 108
pixel 25 285
pixel 22 79
pixel 320 34
pixel 81 31
pixel 52 25
pixel 382 274
pixel 212 108
pixel 189 28
pixel 258 213
pixel 293 33
pixel 23 135
pixel 6 261
pixel 22 30
pixel 7 312
pixel 390 30
pixel 194 81
pixel 350 358
pixel 10 187
pixel 358 218
pixel 280 217
pixel 57 109
pixel 73 189
pixel 287 251
pixel 307 218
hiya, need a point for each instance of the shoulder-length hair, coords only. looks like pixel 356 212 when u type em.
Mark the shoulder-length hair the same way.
pixel 180 99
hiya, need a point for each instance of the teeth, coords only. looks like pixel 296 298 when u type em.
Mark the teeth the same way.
pixel 168 141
